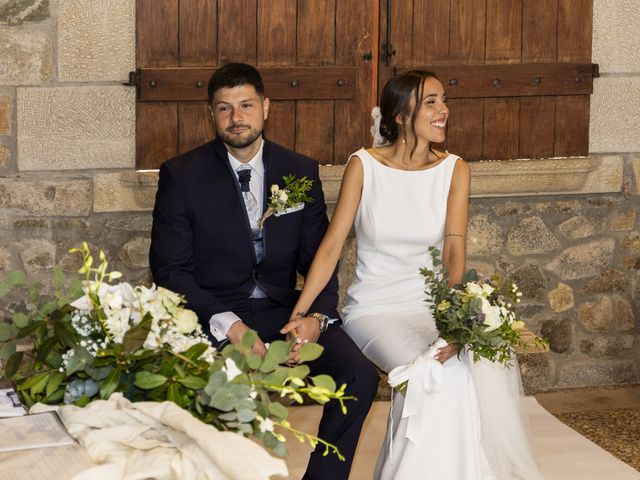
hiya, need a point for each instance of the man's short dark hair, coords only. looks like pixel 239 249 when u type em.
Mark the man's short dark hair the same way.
pixel 233 75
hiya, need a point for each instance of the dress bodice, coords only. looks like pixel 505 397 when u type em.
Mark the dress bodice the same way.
pixel 401 213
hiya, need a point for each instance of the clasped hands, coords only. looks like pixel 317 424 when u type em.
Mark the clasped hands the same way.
pixel 302 329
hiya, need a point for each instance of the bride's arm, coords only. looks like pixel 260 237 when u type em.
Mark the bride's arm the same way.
pixel 455 229
pixel 328 253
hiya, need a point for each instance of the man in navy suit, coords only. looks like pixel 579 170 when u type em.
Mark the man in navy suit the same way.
pixel 236 276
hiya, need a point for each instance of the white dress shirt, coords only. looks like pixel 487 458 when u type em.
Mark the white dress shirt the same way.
pixel 221 322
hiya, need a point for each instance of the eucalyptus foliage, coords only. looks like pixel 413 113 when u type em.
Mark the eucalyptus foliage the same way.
pixel 71 347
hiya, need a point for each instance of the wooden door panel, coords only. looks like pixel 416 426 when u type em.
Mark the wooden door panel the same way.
pixel 279 127
pixel 276 33
pixel 156 133
pixel 314 130
pixel 198 36
pixel 510 63
pixel 156 33
pixel 195 125
pixel 238 32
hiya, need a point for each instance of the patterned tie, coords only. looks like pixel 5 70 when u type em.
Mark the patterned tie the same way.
pixel 250 202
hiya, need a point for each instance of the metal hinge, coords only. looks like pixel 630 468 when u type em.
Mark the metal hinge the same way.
pixel 595 70
pixel 134 81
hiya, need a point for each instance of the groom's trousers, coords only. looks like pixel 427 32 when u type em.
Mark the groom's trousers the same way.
pixel 345 363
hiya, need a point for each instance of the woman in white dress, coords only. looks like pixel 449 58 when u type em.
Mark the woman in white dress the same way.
pixel 404 197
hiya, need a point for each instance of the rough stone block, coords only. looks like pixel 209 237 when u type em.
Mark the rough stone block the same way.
pixel 135 253
pixel 531 236
pixel 582 261
pixel 577 227
pixel 609 280
pixel 6 114
pixel 5 260
pixel 559 333
pixel 596 316
pixel 37 255
pixel 537 372
pixel 632 242
pixel 616 44
pixel 530 281
pixel 124 191
pixel 561 298
pixel 484 237
pixel 5 155
pixel 90 48
pixel 615 123
pixel 26 57
pixel 76 128
pixel 15 12
pixel 598 372
pixel 623 221
pixel 46 198
pixel 605 345
pixel 624 320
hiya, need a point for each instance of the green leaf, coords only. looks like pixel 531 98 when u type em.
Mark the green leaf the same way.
pixel 299 371
pixel 39 382
pixel 65 333
pixel 278 410
pixel 195 351
pixel 310 351
pixel 82 401
pixel 54 382
pixel 20 319
pixel 54 397
pixel 15 278
pixel 148 380
pixel 45 348
pixel 324 381
pixel 281 449
pixel 78 361
pixel 277 353
pixel 253 361
pixel 249 339
pixel 5 332
pixel 195 383
pixel 58 277
pixel 223 399
pixel 136 336
pixel 246 415
pixel 12 365
pixel 7 349
pixel 217 380
pixel 110 384
pixel 173 394
pixel 29 329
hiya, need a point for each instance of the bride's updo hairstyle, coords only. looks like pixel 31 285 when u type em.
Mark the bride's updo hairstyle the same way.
pixel 395 101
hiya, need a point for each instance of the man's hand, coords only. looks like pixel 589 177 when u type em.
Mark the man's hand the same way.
pixel 302 330
pixel 445 353
pixel 236 332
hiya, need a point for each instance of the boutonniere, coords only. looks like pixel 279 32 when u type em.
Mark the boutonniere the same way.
pixel 291 197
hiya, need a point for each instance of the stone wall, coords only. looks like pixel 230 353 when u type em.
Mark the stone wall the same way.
pixel 566 230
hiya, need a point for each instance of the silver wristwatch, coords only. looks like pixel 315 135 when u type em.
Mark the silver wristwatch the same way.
pixel 322 318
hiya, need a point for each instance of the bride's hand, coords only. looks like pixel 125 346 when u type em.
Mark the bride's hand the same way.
pixel 302 330
pixel 445 353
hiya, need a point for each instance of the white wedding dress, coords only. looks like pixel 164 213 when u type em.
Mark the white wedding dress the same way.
pixel 469 427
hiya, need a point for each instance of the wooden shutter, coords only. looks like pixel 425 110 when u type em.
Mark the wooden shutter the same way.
pixel 313 55
pixel 518 72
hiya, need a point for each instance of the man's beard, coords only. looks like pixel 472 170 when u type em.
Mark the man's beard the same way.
pixel 236 141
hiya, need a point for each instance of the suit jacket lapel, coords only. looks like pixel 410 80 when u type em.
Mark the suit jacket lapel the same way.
pixel 221 152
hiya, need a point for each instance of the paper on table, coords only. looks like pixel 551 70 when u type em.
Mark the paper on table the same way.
pixel 33 431
pixel 46 463
pixel 10 406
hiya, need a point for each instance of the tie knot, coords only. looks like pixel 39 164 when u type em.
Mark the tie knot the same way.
pixel 244 176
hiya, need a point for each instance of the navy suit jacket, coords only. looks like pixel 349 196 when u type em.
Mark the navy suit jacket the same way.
pixel 201 243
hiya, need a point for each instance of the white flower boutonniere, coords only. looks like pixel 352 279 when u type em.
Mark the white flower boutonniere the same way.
pixel 291 197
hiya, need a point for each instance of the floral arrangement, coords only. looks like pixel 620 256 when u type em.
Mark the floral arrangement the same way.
pixel 292 196
pixel 477 315
pixel 98 338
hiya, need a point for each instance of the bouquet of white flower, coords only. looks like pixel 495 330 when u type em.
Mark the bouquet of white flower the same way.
pixel 477 315
pixel 102 338
pixel 291 196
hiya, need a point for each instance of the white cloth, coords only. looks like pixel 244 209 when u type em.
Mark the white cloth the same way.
pixel 456 426
pixel 141 440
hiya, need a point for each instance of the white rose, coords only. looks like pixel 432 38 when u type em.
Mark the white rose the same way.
pixel 474 289
pixel 491 315
pixel 487 289
pixel 274 189
pixel 186 321
pixel 283 197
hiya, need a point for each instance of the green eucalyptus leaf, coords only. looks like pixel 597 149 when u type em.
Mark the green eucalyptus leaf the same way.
pixel 229 416
pixel 324 381
pixel 246 415
pixel 217 380
pixel 277 353
pixel 299 371
pixel 278 410
pixel 20 319
pixel 7 349
pixel 249 339
pixel 223 399
pixel 79 360
pixel 253 361
pixel 148 380
pixel 110 384
pixel 5 332
pixel 270 441
pixel 310 351
pixel 13 363
pixel 195 383
pixel 280 449
pixel 135 337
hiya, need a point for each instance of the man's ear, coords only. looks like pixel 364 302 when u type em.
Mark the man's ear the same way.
pixel 265 107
